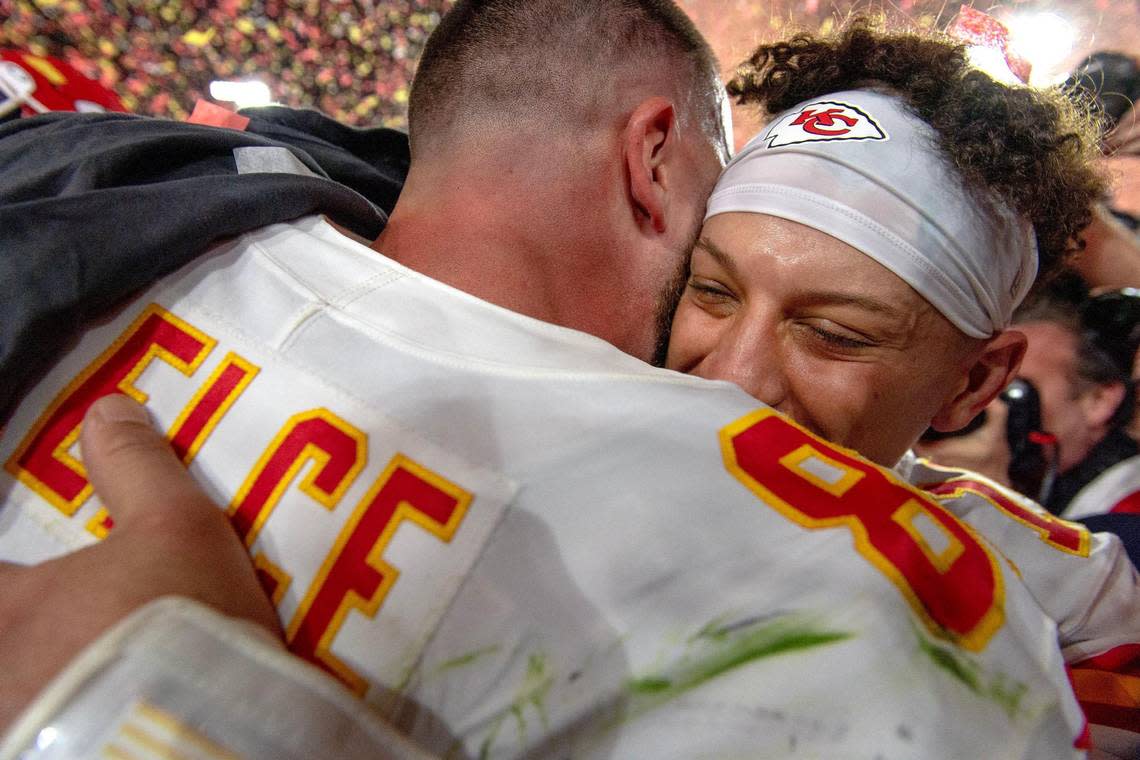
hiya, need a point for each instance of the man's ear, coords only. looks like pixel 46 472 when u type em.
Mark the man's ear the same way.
pixel 1100 402
pixel 650 142
pixel 988 376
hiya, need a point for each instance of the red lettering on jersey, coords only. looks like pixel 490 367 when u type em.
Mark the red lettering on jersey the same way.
pixel 195 423
pixel 42 461
pixel 944 572
pixel 814 122
pixel 272 578
pixel 1060 534
pixel 100 525
pixel 354 575
pixel 337 450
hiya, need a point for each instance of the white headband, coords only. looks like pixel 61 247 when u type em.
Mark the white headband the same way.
pixel 860 167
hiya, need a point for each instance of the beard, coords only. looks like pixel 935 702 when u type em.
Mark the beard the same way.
pixel 669 298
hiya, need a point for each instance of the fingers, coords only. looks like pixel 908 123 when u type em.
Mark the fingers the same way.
pixel 169 537
pixel 131 466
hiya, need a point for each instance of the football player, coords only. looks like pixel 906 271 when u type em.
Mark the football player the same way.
pixel 858 270
pixel 471 508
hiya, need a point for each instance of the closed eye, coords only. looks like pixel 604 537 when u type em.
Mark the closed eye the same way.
pixel 840 341
pixel 711 291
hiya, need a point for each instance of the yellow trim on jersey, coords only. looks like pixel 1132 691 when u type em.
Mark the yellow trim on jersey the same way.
pixel 126 385
pixel 404 511
pixel 976 638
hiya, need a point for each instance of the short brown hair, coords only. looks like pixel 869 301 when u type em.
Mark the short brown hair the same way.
pixel 1033 148
pixel 512 59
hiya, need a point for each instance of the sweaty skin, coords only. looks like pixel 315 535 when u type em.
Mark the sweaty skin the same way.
pixel 811 326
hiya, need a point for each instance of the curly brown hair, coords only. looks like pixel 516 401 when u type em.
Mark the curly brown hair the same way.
pixel 1034 148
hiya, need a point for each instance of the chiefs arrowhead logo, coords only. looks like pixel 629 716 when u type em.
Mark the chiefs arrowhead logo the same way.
pixel 824 121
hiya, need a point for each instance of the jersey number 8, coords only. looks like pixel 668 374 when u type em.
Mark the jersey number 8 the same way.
pixel 949 578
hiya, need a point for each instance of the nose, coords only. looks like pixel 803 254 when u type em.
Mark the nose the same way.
pixel 749 355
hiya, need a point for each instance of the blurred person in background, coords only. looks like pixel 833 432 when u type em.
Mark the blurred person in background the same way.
pixel 1110 82
pixel 1079 358
pixel 1117 90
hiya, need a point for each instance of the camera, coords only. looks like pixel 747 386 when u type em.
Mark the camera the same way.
pixel 1032 451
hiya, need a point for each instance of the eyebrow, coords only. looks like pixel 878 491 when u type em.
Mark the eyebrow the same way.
pixel 724 259
pixel 846 299
pixel 817 296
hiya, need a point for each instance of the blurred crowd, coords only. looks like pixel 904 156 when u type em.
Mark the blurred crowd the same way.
pixel 353 60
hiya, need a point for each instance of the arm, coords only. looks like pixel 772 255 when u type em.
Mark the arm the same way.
pixel 1083 581
pixel 168 539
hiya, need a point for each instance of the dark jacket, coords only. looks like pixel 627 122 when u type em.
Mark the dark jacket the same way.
pixel 94 207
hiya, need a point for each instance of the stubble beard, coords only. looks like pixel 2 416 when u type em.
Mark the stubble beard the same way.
pixel 668 300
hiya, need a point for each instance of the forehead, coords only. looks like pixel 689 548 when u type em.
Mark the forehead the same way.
pixel 801 270
pixel 1052 348
pixel 775 251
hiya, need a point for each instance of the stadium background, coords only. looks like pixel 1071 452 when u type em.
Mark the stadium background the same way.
pixel 353 59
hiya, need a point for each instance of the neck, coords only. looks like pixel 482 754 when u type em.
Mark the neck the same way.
pixel 510 235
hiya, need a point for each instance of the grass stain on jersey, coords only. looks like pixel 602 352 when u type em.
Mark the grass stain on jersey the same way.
pixel 464 660
pixel 721 647
pixel 536 684
pixel 996 687
pixel 723 626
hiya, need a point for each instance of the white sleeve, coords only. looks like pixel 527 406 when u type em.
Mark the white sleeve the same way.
pixel 176 679
pixel 1084 581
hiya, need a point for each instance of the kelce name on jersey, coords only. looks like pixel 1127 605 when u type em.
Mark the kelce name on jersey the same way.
pixel 346 570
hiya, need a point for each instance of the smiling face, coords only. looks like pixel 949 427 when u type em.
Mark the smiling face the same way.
pixel 812 327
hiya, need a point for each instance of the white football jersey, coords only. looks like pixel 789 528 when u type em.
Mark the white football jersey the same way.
pixel 1117 489
pixel 511 538
pixel 1084 581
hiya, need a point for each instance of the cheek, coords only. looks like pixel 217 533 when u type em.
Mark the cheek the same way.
pixel 883 438
pixel 1056 406
pixel 1058 397
pixel 864 406
pixel 830 396
pixel 692 334
pixel 1065 415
